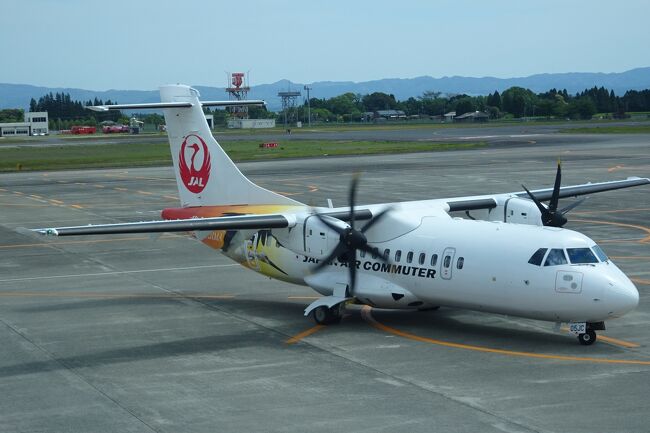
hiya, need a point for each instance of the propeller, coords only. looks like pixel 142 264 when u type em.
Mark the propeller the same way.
pixel 351 239
pixel 551 216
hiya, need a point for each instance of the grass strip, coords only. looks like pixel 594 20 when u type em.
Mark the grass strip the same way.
pixel 631 129
pixel 155 154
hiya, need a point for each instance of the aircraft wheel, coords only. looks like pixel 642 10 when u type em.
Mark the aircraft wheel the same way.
pixel 588 338
pixel 321 315
pixel 336 313
pixel 327 316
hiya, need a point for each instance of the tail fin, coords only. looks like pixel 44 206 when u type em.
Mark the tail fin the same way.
pixel 205 175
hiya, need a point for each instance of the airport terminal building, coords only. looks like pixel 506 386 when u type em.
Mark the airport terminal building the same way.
pixel 36 123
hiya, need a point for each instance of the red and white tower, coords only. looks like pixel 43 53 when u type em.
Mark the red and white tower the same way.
pixel 237 90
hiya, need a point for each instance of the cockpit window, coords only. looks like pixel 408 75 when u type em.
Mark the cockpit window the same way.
pixel 537 257
pixel 600 253
pixel 555 257
pixel 581 255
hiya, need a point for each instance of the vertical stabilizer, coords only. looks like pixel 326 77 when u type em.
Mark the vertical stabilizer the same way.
pixel 205 175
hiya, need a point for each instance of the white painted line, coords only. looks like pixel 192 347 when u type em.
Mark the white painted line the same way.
pixel 99 274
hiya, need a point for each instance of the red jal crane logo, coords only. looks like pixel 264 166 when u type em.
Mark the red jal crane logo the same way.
pixel 237 79
pixel 194 178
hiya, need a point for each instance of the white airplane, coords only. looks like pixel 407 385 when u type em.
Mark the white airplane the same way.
pixel 510 256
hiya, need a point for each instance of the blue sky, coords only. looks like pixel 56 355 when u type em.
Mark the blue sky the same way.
pixel 140 44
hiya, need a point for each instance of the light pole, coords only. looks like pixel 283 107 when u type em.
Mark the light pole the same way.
pixel 307 88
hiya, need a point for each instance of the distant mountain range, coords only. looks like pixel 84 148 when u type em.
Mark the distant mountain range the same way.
pixel 19 95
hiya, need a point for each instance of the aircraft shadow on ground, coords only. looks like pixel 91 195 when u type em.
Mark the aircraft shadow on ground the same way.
pixel 446 324
pixel 457 326
pixel 185 347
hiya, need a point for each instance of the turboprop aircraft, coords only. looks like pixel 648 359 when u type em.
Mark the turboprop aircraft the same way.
pixel 509 256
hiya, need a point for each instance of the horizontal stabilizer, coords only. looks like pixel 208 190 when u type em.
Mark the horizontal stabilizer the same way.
pixel 161 105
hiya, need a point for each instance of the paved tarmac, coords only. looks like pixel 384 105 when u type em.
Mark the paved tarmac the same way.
pixel 140 334
pixel 520 133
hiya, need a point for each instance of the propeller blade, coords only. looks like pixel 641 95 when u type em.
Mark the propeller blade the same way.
pixel 330 224
pixel 375 219
pixel 352 264
pixel 552 205
pixel 353 193
pixel 545 213
pixel 568 208
pixel 340 249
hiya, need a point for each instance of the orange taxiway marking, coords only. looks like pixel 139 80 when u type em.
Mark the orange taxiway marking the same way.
pixel 633 226
pixel 366 313
pixel 296 338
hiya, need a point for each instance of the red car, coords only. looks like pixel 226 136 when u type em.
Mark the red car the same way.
pixel 83 130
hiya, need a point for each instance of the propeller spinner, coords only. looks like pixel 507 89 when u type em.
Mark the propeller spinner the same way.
pixel 351 239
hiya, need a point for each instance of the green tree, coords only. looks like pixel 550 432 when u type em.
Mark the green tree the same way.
pixel 12 115
pixel 343 104
pixel 494 100
pixel 435 106
pixel 379 101
pixel 518 101
pixel 582 108
pixel 465 105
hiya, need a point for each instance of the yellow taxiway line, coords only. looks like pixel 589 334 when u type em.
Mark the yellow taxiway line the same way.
pixel 366 313
pixel 296 338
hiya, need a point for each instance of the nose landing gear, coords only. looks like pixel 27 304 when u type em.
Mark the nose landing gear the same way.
pixel 587 335
pixel 588 338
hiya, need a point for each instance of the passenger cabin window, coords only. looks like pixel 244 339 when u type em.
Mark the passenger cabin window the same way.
pixel 398 255
pixel 578 256
pixel 600 253
pixel 409 257
pixel 460 262
pixel 447 261
pixel 434 259
pixel 537 257
pixel 421 258
pixel 386 253
pixel 362 253
pixel 375 253
pixel 555 257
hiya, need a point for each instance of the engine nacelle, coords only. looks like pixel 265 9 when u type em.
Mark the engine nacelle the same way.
pixel 522 211
pixel 514 210
pixel 309 236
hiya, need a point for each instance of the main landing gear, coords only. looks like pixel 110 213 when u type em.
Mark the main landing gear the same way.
pixel 324 315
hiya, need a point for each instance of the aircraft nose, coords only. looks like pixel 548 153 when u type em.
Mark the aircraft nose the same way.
pixel 624 297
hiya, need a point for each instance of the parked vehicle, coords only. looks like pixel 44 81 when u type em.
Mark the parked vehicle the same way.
pixel 83 130
pixel 112 129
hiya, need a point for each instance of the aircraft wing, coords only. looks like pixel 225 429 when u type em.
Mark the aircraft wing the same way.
pixel 239 222
pixel 489 202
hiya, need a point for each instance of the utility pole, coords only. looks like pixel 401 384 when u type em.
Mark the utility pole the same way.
pixel 307 88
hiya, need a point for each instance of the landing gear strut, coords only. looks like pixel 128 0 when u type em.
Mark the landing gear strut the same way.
pixel 324 315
